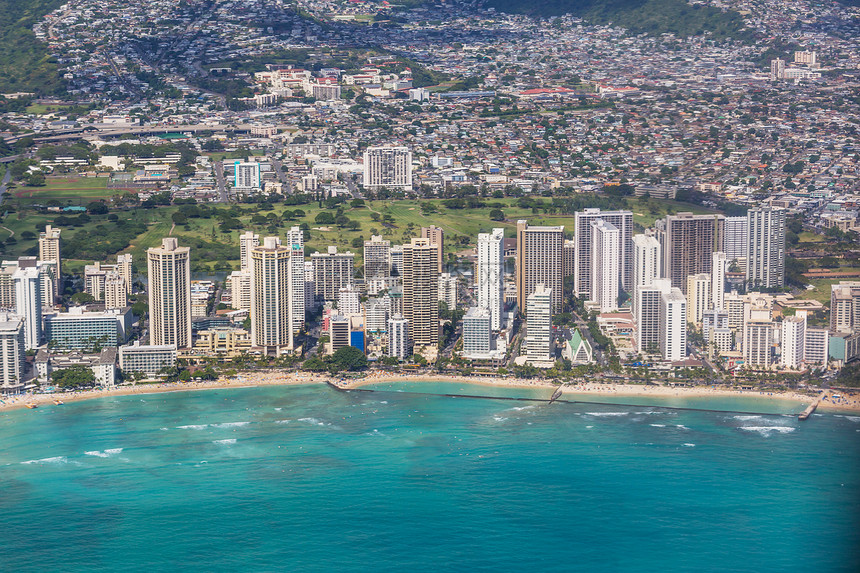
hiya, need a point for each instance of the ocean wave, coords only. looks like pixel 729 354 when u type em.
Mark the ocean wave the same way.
pixel 225 442
pixel 314 422
pixel 681 427
pixel 499 418
pixel 746 418
pixel 282 421
pixel 229 424
pixel 606 414
pixel 105 454
pixel 768 430
pixel 689 445
pixel 852 418
pixel 649 412
pixel 588 427
pixel 658 425
pixel 278 409
pixel 521 408
pixel 192 427
pixel 54 460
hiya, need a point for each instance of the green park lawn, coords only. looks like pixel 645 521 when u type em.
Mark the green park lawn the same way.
pixel 214 250
pixel 65 189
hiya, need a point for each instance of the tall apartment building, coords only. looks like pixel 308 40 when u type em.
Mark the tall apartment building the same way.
pixel 124 268
pixel 569 258
pixel 477 333
pixel 421 293
pixel 296 273
pixel 661 320
pixel 539 261
pixel 687 243
pixel 247 175
pixel 735 241
pixel 673 325
pixel 816 347
pixel 349 301
pixel 332 272
pixel 623 221
pixel 169 289
pixel 377 258
pixel 436 236
pixel 247 241
pixel 240 290
pixel 115 292
pixel 539 341
pixel 490 275
pixel 28 304
pixel 646 264
pixel 719 266
pixel 389 167
pixel 49 251
pixel 758 335
pixel 845 306
pixel 396 254
pixel 398 337
pixel 698 297
pixel 12 353
pixel 605 264
pixel 270 316
pixel 777 69
pixel 47 280
pixel 765 248
pixel 793 341
pixel 447 292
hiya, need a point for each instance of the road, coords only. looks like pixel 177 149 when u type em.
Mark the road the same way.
pixel 4 184
pixel 279 171
pixel 222 184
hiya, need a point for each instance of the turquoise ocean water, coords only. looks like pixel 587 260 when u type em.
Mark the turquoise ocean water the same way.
pixel 310 479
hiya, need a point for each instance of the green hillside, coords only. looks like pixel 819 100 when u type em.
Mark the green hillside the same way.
pixel 24 62
pixel 638 16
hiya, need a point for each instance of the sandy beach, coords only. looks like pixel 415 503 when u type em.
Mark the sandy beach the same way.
pixel 835 401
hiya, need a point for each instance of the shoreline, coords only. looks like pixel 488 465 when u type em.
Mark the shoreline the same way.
pixel 848 402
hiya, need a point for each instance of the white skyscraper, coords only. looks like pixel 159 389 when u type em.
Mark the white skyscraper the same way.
pixel 28 304
pixel 123 267
pixel 247 175
pixel 49 251
pixel 698 297
pixel 673 325
pixel 247 241
pixel 539 347
pixel 735 241
pixel 12 352
pixel 793 341
pixel 398 337
pixel 605 264
pixel 647 315
pixel 349 301
pixel 377 258
pixel 270 317
pixel 718 280
pixel 491 266
pixel 297 274
pixel 765 248
pixel 389 167
pixel 169 289
pixel 477 336
pixel 646 263
pixel 621 220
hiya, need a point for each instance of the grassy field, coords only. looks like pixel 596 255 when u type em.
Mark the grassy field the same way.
pixel 461 226
pixel 42 109
pixel 72 190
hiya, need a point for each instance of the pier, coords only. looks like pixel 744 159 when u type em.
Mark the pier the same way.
pixel 811 408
